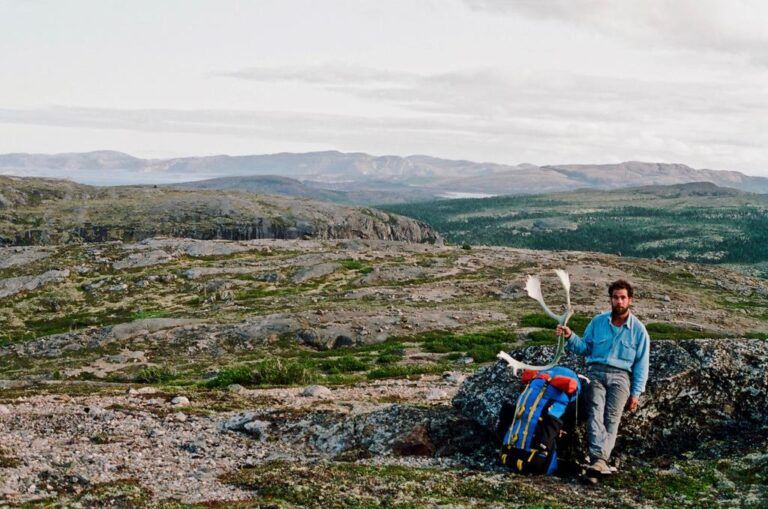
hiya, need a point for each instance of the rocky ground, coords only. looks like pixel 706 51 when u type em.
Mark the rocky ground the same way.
pixel 275 373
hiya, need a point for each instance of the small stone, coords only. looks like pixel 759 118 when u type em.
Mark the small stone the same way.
pixel 343 341
pixel 454 378
pixel 180 401
pixel 463 361
pixel 317 391
pixel 180 417
pixel 193 447
pixel 436 394
pixel 4 410
pixel 257 429
pixel 236 388
pixel 237 422
pixel 146 390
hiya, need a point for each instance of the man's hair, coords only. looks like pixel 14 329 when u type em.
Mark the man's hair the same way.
pixel 621 284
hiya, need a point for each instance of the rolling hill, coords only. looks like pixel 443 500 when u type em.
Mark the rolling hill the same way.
pixel 368 179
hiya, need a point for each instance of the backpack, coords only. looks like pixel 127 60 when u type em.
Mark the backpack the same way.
pixel 549 400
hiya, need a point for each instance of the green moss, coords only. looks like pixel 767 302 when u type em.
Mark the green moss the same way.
pixel 349 485
pixel 691 485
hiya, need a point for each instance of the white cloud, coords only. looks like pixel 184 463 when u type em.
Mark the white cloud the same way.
pixel 730 26
pixel 321 74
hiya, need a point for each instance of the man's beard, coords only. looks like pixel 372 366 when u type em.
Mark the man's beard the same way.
pixel 619 311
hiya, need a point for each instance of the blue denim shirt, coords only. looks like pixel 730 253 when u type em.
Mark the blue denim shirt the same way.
pixel 626 347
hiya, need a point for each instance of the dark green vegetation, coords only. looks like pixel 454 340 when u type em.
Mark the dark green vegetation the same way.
pixel 481 346
pixel 696 222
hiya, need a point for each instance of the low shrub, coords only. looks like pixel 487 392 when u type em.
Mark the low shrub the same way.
pixel 154 374
pixel 345 364
pixel 270 371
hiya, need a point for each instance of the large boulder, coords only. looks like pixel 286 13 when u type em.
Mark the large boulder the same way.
pixel 697 389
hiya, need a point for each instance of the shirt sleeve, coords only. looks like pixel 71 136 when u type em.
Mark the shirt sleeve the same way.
pixel 640 367
pixel 581 345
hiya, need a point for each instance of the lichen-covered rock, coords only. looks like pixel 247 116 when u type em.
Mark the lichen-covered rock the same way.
pixel 14 285
pixel 697 389
pixel 143 259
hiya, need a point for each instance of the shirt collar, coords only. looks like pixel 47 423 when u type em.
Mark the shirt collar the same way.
pixel 629 323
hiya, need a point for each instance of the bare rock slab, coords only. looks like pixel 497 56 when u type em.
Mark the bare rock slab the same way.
pixel 697 389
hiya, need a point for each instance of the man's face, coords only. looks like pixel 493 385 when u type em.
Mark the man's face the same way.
pixel 620 302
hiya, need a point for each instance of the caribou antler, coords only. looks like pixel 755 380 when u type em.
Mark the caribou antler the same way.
pixel 533 287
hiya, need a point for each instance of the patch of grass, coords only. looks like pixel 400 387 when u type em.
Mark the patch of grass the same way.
pixel 8 461
pixel 357 265
pixel 400 370
pixel 690 485
pixel 120 493
pixel 155 374
pixel 352 264
pixel 444 341
pixel 389 358
pixel 72 322
pixel 662 330
pixel 345 364
pixel 351 485
pixel 155 313
pixel 272 371
pixel 481 346
pixel 577 323
pixel 541 337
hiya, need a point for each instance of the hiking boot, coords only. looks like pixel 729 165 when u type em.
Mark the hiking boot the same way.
pixel 599 467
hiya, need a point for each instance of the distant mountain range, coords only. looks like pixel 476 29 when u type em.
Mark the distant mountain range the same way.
pixel 362 178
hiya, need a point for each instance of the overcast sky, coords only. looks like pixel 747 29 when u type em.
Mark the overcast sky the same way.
pixel 537 81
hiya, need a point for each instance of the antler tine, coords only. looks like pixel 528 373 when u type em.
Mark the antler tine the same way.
pixel 533 287
pixel 566 281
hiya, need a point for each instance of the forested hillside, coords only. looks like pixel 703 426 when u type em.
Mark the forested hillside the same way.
pixel 697 222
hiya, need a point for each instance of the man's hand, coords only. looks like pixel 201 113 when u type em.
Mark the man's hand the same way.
pixel 563 330
pixel 632 403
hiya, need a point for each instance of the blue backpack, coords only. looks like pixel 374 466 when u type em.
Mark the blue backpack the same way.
pixel 530 440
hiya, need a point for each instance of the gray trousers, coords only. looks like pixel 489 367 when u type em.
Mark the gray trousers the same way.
pixel 607 394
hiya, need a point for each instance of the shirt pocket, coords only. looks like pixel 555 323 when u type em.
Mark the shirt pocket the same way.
pixel 625 349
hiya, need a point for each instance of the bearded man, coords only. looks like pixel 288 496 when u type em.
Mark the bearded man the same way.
pixel 616 346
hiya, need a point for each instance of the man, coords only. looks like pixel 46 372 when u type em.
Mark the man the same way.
pixel 616 346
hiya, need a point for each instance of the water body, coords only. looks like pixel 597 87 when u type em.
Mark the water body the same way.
pixel 459 195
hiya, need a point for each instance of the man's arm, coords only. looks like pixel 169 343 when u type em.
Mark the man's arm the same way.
pixel 639 372
pixel 576 344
